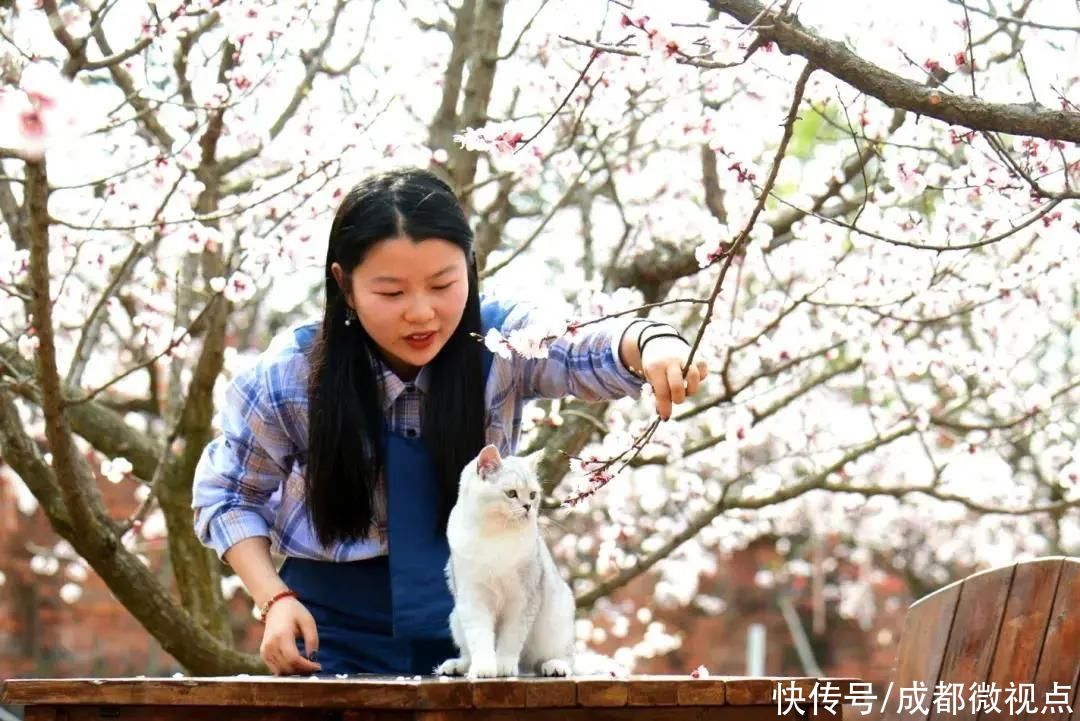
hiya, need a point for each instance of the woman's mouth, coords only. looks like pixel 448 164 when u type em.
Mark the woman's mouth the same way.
pixel 420 340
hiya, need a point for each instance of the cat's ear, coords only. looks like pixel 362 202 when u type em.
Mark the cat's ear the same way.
pixel 488 462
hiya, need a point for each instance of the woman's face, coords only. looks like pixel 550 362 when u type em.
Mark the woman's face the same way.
pixel 409 296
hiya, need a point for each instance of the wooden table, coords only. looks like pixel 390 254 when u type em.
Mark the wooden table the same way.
pixel 380 698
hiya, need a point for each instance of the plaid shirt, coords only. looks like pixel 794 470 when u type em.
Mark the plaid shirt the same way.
pixel 250 479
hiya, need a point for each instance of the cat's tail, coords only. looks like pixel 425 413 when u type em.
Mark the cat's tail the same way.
pixel 590 663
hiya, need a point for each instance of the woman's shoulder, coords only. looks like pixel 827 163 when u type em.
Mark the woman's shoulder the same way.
pixel 510 314
pixel 281 371
pixel 496 311
pixel 296 340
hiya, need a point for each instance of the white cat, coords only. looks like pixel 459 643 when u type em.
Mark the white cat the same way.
pixel 512 609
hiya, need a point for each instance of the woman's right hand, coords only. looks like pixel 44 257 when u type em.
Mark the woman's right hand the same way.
pixel 286 620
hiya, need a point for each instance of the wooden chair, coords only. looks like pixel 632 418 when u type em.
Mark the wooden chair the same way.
pixel 1002 628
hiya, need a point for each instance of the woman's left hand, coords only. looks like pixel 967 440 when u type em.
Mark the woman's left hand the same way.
pixel 662 363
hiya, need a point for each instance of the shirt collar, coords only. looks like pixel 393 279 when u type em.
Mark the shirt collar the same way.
pixel 393 386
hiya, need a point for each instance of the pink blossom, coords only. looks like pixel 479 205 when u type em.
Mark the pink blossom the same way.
pixel 710 251
pixel 496 343
pixel 499 139
pixel 28 345
pixel 239 288
pixel 529 343
pixel 38 113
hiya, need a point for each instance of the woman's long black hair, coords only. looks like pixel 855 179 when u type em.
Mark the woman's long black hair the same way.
pixel 345 436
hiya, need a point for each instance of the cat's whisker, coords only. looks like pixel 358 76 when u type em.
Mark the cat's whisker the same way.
pixel 555 523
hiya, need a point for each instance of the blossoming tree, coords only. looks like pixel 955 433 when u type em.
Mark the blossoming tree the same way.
pixel 867 224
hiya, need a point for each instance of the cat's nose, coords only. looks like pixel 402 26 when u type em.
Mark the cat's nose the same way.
pixel 527 506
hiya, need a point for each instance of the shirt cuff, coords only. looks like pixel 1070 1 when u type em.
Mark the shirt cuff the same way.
pixel 235 525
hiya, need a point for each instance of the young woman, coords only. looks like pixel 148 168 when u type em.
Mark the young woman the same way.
pixel 342 446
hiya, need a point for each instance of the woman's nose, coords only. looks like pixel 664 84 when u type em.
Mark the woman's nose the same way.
pixel 420 310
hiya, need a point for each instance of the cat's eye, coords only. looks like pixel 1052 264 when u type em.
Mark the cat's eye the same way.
pixel 532 495
pixel 512 494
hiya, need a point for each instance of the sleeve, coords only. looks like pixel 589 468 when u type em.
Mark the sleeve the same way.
pixel 584 363
pixel 242 468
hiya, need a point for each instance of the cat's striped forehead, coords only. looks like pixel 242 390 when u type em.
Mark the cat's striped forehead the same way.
pixel 514 473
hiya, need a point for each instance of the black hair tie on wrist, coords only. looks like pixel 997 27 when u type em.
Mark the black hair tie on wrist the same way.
pixel 631 324
pixel 642 344
pixel 651 324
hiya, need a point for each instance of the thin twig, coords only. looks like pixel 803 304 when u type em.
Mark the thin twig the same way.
pixel 970 49
pixel 919 246
pixel 858 153
pixel 1012 20
pixel 681 59
pixel 581 77
pixel 176 341
pixel 599 471
pixel 635 309
pixel 736 246
pixel 492 270
pixel 135 519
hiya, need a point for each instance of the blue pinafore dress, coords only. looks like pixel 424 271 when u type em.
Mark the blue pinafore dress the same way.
pixel 391 614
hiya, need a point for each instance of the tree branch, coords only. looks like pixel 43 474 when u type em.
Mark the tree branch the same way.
pixel 815 482
pixel 21 453
pixel 559 204
pixel 665 263
pixel 118 57
pixel 183 50
pixel 1012 20
pixel 681 59
pixel 90 531
pixel 313 64
pixel 103 428
pixel 139 104
pixel 897 92
pixel 200 320
pixel 77 487
pixel 714 194
pixel 755 415
pixel 76 49
pixel 13 216
pixel 443 125
pixel 474 110
pixel 562 442
pixel 737 244
pixel 88 337
pixel 133 584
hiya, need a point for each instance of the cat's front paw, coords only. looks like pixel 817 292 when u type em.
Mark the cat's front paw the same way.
pixel 452 667
pixel 555 667
pixel 483 668
pixel 507 666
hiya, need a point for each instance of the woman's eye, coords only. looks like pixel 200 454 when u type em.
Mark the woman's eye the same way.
pixel 512 494
pixel 395 294
pixel 442 287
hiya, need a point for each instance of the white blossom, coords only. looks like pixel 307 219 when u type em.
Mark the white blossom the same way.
pixel 116 469
pixel 70 592
pixel 28 345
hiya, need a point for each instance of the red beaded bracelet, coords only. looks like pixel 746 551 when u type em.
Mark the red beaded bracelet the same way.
pixel 266 606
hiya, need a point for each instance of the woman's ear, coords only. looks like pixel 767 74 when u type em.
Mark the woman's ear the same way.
pixel 339 277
